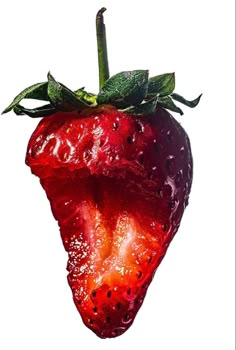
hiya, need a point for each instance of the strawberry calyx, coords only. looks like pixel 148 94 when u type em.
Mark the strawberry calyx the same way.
pixel 132 92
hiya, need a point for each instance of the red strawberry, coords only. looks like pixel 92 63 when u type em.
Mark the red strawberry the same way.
pixel 118 186
pixel 117 170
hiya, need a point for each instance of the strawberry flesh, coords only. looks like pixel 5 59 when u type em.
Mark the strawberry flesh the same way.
pixel 118 186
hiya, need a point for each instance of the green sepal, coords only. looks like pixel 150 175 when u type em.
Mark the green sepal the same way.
pixel 125 89
pixel 62 98
pixel 144 108
pixel 39 112
pixel 36 91
pixel 161 85
pixel 129 91
pixel 87 97
pixel 18 110
pixel 167 102
pixel 182 100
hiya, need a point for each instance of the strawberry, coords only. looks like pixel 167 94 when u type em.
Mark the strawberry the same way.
pixel 117 170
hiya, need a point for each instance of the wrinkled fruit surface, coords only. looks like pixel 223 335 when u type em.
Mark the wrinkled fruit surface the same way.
pixel 118 186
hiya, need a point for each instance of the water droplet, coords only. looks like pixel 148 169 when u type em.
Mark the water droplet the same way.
pixel 65 156
pixel 115 126
pixel 140 127
pixel 111 159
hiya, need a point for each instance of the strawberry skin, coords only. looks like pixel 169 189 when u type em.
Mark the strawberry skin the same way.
pixel 118 186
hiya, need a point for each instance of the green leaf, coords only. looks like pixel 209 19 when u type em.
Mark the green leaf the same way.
pixel 190 104
pixel 36 91
pixel 62 98
pixel 18 110
pixel 167 102
pixel 144 108
pixel 39 112
pixel 125 89
pixel 161 85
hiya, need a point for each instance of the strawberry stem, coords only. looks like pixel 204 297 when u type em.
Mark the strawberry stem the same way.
pixel 102 48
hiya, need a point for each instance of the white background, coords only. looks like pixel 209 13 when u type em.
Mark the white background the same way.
pixel 190 304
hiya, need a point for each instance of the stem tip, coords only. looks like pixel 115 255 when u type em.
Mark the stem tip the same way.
pixel 101 11
pixel 102 48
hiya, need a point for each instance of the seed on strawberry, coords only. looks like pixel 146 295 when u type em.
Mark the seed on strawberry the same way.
pixel 117 170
